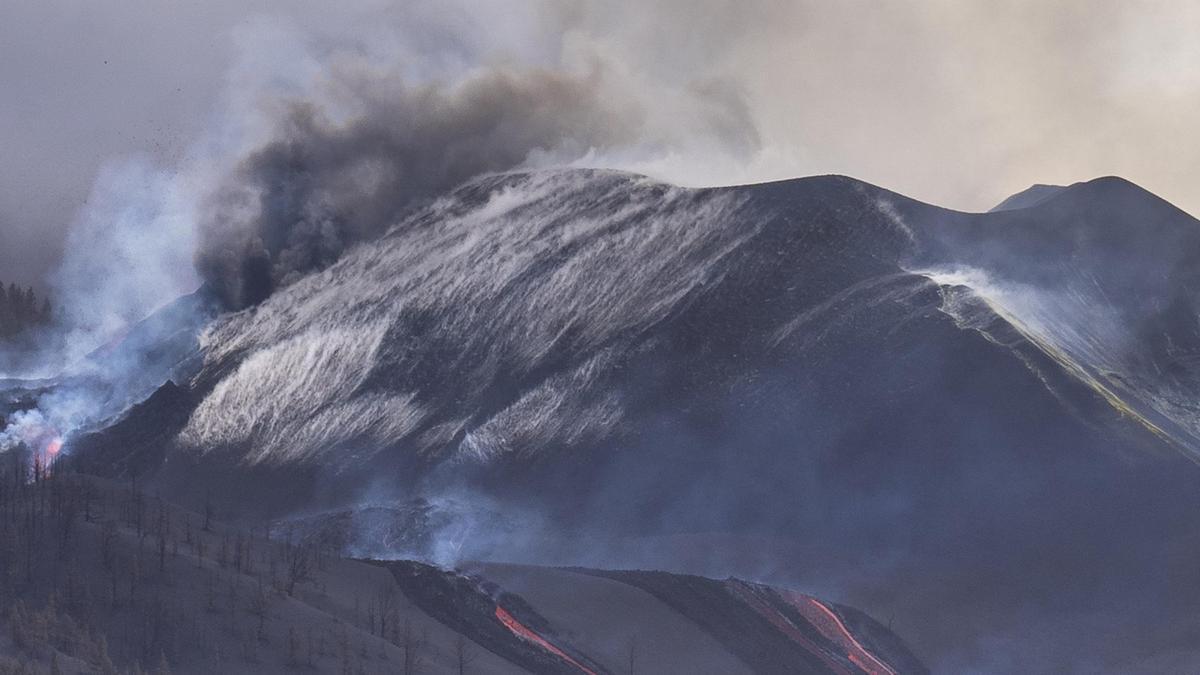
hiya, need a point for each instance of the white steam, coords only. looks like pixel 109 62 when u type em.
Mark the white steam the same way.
pixel 1078 327
pixel 129 253
pixel 468 102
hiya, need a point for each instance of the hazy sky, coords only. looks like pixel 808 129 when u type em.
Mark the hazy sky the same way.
pixel 954 102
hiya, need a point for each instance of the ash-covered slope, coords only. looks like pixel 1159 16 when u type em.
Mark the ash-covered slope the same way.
pixel 632 374
pixel 1103 276
pixel 494 302
pixel 475 320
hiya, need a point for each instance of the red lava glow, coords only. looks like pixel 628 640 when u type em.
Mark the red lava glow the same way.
pixel 45 442
pixel 53 448
pixel 49 444
pixel 750 595
pixel 519 629
pixel 832 628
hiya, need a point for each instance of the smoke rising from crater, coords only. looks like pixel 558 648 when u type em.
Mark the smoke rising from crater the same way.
pixel 343 160
pixel 1038 93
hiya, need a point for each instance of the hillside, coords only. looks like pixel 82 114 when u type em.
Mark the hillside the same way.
pixel 102 577
pixel 815 383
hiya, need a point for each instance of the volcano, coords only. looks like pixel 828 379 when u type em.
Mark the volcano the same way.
pixel 982 425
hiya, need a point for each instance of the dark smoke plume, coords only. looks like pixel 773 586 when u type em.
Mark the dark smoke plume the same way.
pixel 327 180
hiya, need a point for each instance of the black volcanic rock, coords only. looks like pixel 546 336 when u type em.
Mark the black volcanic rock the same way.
pixel 769 630
pixel 979 423
pixel 130 446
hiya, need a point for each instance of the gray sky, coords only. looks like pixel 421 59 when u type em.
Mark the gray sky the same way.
pixel 955 102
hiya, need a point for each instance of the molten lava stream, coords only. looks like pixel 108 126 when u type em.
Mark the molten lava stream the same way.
pixel 750 595
pixel 510 622
pixel 832 628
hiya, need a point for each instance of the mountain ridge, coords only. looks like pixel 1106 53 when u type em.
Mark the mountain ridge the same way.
pixel 573 357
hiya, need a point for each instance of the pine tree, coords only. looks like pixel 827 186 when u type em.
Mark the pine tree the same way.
pixel 8 320
pixel 19 625
pixel 20 311
pixel 29 305
pixel 102 659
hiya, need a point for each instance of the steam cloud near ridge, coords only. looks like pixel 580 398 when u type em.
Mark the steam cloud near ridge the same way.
pixel 321 137
pixel 322 140
pixel 814 93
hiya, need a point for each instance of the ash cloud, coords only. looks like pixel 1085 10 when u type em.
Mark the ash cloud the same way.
pixel 342 163
pixel 1047 92
pixel 319 185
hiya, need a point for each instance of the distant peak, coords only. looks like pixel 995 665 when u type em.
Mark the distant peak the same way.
pixel 1107 189
pixel 1110 184
pixel 1030 196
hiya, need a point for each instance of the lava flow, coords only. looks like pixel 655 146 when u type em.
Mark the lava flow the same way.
pixel 832 628
pixel 750 595
pixel 510 622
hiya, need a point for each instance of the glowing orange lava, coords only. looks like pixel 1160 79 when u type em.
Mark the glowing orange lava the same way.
pixel 510 622
pixel 750 595
pixel 832 628
pixel 762 598
pixel 49 445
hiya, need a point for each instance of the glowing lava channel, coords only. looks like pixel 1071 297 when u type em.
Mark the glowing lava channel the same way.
pixel 817 615
pixel 510 622
pixel 750 595
pixel 831 626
